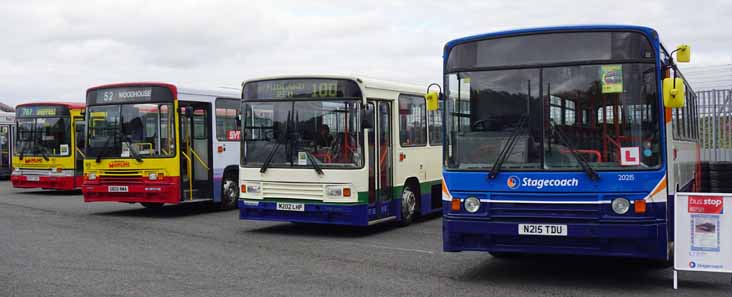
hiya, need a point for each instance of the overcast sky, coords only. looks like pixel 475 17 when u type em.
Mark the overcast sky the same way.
pixel 54 50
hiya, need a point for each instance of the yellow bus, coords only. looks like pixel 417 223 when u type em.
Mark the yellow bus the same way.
pixel 47 154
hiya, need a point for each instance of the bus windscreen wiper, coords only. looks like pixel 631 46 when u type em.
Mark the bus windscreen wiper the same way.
pixel 582 162
pixel 40 148
pixel 128 138
pixel 43 150
pixel 274 150
pixel 106 146
pixel 508 147
pixel 313 161
pixel 266 163
pixel 295 136
pixel 22 151
pixel 133 151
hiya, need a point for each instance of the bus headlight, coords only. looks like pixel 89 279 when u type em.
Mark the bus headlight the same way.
pixel 620 205
pixel 472 204
pixel 16 172
pixel 154 175
pixel 252 188
pixel 91 176
pixel 334 191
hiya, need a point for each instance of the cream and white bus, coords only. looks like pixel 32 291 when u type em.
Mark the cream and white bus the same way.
pixel 338 150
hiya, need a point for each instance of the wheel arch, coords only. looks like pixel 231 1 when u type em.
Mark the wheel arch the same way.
pixel 413 182
pixel 231 171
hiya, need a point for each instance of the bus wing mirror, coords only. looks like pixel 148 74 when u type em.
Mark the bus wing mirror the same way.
pixel 238 120
pixel 683 53
pixel 674 92
pixel 433 101
pixel 367 117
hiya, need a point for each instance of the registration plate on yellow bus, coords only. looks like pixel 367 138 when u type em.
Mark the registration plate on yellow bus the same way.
pixel 32 178
pixel 290 206
pixel 542 229
pixel 118 189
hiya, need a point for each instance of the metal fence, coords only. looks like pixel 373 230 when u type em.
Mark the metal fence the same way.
pixel 715 124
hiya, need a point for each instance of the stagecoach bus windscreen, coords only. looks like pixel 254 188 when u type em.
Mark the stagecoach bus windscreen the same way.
pixel 129 95
pixel 301 89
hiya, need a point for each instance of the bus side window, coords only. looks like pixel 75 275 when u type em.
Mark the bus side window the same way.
pixel 80 134
pixel 199 120
pixel 435 124
pixel 412 120
pixel 227 126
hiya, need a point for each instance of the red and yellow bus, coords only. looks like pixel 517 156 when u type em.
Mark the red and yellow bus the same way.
pixel 49 141
pixel 158 143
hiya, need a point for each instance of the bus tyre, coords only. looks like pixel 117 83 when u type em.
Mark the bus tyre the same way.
pixel 229 193
pixel 663 264
pixel 504 255
pixel 409 205
pixel 151 204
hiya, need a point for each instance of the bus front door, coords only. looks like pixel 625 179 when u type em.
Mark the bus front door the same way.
pixel 5 150
pixel 80 140
pixel 195 134
pixel 380 159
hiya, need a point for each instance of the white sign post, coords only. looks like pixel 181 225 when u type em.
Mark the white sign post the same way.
pixel 703 233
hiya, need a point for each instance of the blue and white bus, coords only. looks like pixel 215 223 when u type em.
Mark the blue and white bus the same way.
pixel 560 141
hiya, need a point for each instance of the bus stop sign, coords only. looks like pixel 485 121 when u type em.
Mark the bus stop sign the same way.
pixel 703 233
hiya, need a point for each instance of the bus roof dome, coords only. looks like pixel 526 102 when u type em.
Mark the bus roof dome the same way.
pixel 6 108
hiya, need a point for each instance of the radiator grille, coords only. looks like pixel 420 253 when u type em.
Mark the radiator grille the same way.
pixel 293 191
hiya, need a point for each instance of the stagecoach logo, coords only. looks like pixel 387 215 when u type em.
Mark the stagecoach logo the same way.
pixel 31 160
pixel 512 182
pixel 694 265
pixel 118 164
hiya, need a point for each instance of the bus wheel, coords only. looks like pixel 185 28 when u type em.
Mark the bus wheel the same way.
pixel 151 204
pixel 230 193
pixel 409 205
pixel 504 255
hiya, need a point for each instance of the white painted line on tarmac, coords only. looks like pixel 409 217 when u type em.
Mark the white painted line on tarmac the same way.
pixel 390 248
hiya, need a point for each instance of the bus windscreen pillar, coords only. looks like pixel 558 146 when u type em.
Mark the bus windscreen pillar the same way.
pixel 703 233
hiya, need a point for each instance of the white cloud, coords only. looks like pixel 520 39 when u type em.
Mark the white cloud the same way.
pixel 57 49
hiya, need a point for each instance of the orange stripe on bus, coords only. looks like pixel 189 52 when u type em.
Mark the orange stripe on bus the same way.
pixel 660 187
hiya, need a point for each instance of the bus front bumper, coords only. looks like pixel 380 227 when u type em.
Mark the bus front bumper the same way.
pixel 133 190
pixel 351 214
pixel 640 240
pixel 62 183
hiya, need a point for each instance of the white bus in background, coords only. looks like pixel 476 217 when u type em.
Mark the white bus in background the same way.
pixel 7 130
pixel 338 150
